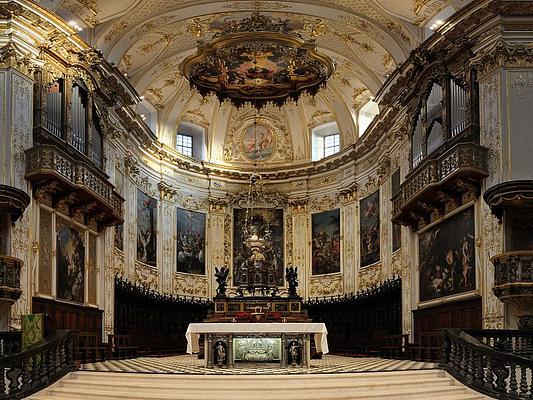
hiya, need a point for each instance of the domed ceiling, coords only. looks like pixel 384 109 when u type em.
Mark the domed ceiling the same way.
pixel 149 39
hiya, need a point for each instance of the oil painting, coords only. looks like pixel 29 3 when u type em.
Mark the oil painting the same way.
pixel 326 242
pixel 70 265
pixel 146 228
pixel 447 257
pixel 369 224
pixel 190 242
pixel 267 226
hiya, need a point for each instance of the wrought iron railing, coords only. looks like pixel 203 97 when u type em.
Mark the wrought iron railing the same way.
pixel 489 370
pixel 36 367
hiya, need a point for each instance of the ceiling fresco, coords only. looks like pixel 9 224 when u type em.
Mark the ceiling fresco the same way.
pixel 149 39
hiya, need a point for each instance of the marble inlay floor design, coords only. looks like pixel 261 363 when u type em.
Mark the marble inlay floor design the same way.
pixel 190 364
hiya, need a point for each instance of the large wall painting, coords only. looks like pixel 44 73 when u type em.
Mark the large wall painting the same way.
pixel 326 247
pixel 191 242
pixel 263 221
pixel 369 223
pixel 447 257
pixel 258 142
pixel 146 228
pixel 70 252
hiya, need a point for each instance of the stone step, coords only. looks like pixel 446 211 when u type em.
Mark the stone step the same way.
pixel 220 385
pixel 397 385
pixel 259 377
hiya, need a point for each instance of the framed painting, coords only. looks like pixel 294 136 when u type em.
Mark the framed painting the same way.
pixel 70 250
pixel 258 142
pixel 369 225
pixel 190 242
pixel 119 236
pixel 146 228
pixel 447 257
pixel 326 242
pixel 263 222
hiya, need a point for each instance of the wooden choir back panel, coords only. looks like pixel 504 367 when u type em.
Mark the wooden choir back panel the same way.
pixel 60 315
pixel 461 314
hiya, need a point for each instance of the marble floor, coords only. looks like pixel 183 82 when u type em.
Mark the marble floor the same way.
pixel 190 364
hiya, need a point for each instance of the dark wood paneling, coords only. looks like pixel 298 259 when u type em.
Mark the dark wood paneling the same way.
pixel 60 315
pixel 461 314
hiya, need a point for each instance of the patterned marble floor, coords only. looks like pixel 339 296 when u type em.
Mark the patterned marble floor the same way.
pixel 190 364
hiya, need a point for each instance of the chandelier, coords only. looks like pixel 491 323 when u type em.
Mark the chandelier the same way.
pixel 257 60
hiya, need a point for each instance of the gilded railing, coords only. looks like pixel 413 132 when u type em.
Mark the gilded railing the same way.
pixel 10 279
pixel 50 160
pixel 461 159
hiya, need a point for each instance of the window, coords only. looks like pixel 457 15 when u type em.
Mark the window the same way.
pixel 331 144
pixel 325 141
pixel 184 144
pixel 366 115
pixel 190 140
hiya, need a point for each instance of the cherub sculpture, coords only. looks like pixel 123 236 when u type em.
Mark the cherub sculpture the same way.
pixel 221 276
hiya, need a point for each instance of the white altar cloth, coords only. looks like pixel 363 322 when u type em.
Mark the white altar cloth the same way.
pixel 317 328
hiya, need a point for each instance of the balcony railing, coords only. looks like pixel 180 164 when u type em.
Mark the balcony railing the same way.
pixel 59 174
pixel 10 279
pixel 513 267
pixel 437 181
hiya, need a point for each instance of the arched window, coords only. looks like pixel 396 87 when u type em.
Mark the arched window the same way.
pixel 325 141
pixel 190 140
pixel 366 115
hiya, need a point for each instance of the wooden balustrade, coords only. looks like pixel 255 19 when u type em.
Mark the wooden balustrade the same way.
pixel 36 367
pixel 436 184
pixel 10 289
pixel 485 368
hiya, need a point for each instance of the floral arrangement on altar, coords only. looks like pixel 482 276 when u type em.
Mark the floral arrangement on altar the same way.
pixel 243 316
pixel 274 316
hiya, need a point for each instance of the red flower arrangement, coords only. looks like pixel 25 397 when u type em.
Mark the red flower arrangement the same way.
pixel 243 316
pixel 274 316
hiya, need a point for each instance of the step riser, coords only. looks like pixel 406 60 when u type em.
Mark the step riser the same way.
pixel 355 385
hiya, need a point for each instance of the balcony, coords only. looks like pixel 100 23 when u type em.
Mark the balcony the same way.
pixel 10 279
pixel 513 283
pixel 75 187
pixel 439 185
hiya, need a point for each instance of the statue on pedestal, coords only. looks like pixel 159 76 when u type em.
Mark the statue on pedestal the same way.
pixel 221 276
pixel 291 274
pixel 220 353
pixel 294 353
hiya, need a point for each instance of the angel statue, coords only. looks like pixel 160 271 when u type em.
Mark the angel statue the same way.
pixel 291 274
pixel 221 276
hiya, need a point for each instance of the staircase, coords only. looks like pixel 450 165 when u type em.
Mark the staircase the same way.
pixel 421 384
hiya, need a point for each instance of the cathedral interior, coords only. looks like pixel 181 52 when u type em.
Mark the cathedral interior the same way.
pixel 305 190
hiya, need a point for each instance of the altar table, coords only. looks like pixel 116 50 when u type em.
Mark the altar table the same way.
pixel 289 333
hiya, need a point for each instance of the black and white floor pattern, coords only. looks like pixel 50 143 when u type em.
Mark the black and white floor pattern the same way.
pixel 190 364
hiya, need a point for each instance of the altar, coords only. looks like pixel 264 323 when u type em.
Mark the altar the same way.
pixel 227 344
